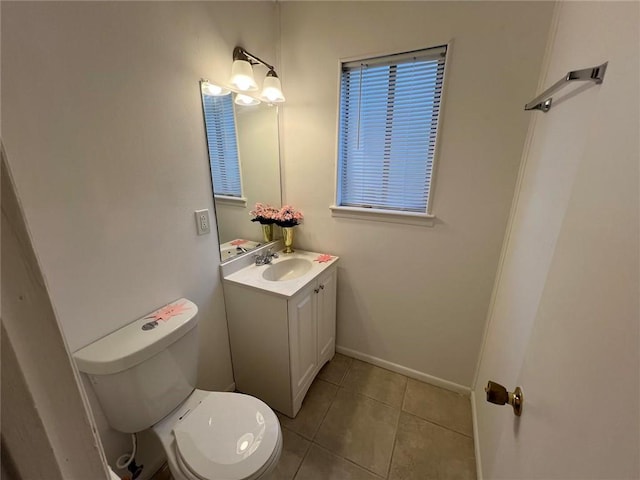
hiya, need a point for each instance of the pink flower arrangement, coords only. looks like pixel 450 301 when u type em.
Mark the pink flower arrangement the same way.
pixel 265 214
pixel 288 217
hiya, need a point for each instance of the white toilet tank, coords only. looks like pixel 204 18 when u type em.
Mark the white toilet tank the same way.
pixel 141 374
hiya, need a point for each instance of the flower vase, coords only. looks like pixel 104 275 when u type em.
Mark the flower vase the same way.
pixel 267 232
pixel 287 236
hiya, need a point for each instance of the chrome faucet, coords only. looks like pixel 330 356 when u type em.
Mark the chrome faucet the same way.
pixel 266 258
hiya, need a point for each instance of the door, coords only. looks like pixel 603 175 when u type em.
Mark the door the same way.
pixel 327 315
pixel 564 323
pixel 303 337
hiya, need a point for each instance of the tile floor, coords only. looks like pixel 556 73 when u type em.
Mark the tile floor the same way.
pixel 361 422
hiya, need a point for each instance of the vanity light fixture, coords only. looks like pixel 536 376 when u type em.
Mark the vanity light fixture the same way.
pixel 212 89
pixel 242 77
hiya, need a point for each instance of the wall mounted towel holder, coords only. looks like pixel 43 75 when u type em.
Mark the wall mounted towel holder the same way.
pixel 543 101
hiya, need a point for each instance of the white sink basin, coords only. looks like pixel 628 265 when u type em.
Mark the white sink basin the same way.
pixel 288 273
pixel 287 269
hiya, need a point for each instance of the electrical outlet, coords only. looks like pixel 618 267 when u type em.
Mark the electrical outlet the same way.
pixel 202 222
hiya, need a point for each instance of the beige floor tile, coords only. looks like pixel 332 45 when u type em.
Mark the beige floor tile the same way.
pixel 323 465
pixel 375 382
pixel 314 407
pixel 438 405
pixel 294 448
pixel 361 430
pixel 427 451
pixel 335 370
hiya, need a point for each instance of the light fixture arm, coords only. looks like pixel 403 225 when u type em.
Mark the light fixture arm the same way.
pixel 240 53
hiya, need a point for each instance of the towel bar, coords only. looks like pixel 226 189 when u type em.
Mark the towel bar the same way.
pixel 543 101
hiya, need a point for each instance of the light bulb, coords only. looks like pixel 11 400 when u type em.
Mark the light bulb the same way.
pixel 243 83
pixel 214 90
pixel 246 100
pixel 272 89
pixel 242 76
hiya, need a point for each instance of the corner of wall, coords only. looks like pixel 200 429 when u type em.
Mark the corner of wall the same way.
pixel 514 203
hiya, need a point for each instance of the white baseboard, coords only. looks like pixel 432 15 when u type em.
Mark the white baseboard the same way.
pixel 476 437
pixel 409 372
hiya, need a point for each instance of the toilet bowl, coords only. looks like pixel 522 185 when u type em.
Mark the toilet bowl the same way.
pixel 144 376
pixel 220 435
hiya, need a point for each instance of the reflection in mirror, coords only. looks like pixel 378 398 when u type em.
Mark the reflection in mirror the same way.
pixel 244 160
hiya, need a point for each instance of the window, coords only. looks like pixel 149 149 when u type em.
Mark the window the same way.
pixel 222 144
pixel 389 108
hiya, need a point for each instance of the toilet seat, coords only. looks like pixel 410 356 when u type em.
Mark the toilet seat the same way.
pixel 188 474
pixel 227 436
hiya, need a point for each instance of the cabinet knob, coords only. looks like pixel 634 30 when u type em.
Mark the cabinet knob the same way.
pixel 321 287
pixel 316 290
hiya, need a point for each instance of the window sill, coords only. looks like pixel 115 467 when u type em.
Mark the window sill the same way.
pixel 376 215
pixel 233 201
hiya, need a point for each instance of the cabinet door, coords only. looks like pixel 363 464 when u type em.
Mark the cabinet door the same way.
pixel 327 315
pixel 303 337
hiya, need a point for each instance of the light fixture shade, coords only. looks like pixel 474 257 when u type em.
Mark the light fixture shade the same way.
pixel 272 88
pixel 245 100
pixel 242 76
pixel 213 90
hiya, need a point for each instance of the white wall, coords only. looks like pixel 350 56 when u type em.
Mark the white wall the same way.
pixel 41 397
pixel 414 296
pixel 102 124
pixel 564 323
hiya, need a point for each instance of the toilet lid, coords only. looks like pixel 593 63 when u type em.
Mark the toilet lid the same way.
pixel 228 435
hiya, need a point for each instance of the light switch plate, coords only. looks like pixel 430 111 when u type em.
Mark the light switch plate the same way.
pixel 203 226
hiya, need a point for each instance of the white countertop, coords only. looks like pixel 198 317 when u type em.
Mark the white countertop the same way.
pixel 251 276
pixel 230 249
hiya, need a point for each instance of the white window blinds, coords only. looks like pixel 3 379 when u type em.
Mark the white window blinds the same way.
pixel 223 146
pixel 389 109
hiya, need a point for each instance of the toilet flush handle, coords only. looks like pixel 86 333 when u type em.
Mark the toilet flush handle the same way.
pixel 499 395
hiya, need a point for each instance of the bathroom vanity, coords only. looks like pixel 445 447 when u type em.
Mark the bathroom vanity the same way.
pixel 282 324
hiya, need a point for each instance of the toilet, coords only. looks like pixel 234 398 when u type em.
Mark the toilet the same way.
pixel 144 377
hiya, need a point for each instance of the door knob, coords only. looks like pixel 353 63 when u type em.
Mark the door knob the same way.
pixel 499 395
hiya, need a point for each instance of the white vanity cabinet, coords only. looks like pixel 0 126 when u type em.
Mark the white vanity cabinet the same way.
pixel 312 332
pixel 279 342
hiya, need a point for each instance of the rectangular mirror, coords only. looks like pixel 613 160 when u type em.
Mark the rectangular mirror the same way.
pixel 244 161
